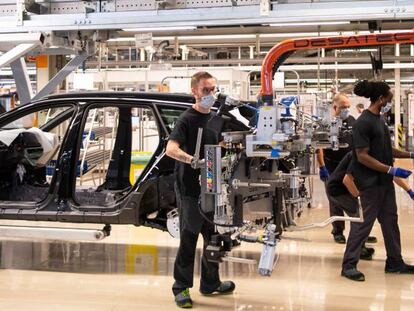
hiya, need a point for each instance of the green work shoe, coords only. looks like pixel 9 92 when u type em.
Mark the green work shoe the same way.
pixel 183 299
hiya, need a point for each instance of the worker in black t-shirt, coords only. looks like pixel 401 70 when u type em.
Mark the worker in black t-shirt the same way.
pixel 181 146
pixel 329 159
pixel 373 172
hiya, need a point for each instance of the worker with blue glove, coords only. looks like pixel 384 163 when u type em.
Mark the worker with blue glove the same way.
pixel 373 171
pixel 398 172
pixel 329 160
pixel 323 173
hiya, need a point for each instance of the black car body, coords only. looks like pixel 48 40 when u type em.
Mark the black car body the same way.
pixel 43 170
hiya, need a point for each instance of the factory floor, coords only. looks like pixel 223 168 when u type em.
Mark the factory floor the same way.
pixel 132 270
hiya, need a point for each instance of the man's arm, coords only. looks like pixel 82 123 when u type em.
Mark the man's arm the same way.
pixel 401 154
pixel 402 184
pixel 174 151
pixel 223 144
pixel 349 183
pixel 319 157
pixel 370 162
pixel 323 171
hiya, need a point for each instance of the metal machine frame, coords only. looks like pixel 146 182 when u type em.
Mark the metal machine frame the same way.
pixel 236 187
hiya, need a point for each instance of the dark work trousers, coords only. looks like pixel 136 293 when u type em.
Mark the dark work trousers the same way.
pixel 335 209
pixel 378 202
pixel 346 202
pixel 191 225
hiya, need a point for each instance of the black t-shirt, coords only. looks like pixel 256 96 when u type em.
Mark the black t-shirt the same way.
pixel 371 131
pixel 335 185
pixel 185 133
pixel 333 157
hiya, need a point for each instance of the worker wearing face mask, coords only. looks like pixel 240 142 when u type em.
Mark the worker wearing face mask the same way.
pixel 329 159
pixel 386 108
pixel 373 171
pixel 386 113
pixel 181 147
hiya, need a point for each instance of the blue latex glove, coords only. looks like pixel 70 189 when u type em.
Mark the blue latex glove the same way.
pixel 399 172
pixel 323 173
pixel 411 193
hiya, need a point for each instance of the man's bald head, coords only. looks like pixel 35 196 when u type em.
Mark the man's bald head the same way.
pixel 339 102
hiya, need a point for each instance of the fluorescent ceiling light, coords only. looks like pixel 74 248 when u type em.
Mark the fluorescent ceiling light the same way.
pixel 163 38
pixel 397 30
pixel 121 39
pixel 308 24
pixel 357 50
pixel 298 34
pixel 320 80
pixel 160 28
pixel 218 37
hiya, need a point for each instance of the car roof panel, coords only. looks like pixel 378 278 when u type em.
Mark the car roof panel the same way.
pixel 175 97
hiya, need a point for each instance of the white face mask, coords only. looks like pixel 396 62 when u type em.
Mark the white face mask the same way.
pixel 344 114
pixel 386 108
pixel 207 101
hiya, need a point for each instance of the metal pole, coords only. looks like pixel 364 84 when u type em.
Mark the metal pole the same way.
pixel 21 77
pixel 397 97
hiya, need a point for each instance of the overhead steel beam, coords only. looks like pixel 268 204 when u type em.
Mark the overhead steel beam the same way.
pixel 215 16
pixel 15 53
pixel 22 80
pixel 17 45
pixel 61 75
pixel 10 40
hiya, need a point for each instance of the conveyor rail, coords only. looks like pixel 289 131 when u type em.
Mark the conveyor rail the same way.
pixel 72 234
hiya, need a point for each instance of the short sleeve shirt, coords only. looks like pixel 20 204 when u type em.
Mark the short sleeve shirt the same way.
pixel 185 133
pixel 370 131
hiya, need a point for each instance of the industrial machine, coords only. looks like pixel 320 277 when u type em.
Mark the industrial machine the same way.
pixel 255 190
